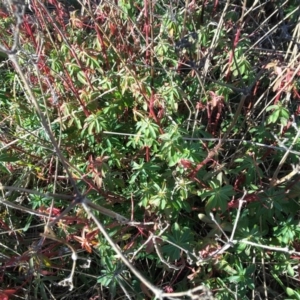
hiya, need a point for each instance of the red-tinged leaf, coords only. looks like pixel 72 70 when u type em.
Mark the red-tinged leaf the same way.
pixel 4 295
pixel 129 245
pixel 233 204
pixel 10 292
pixel 187 164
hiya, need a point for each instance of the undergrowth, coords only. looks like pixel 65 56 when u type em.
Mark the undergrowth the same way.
pixel 149 149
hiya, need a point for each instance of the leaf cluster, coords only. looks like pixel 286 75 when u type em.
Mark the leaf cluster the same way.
pixel 166 113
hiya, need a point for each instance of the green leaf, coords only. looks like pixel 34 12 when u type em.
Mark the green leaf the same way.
pixel 181 237
pixel 290 292
pixel 274 117
pixel 9 158
pixel 290 270
pixel 275 107
pixel 82 77
pixel 218 197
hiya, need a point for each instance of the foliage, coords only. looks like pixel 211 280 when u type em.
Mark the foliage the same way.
pixel 167 114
